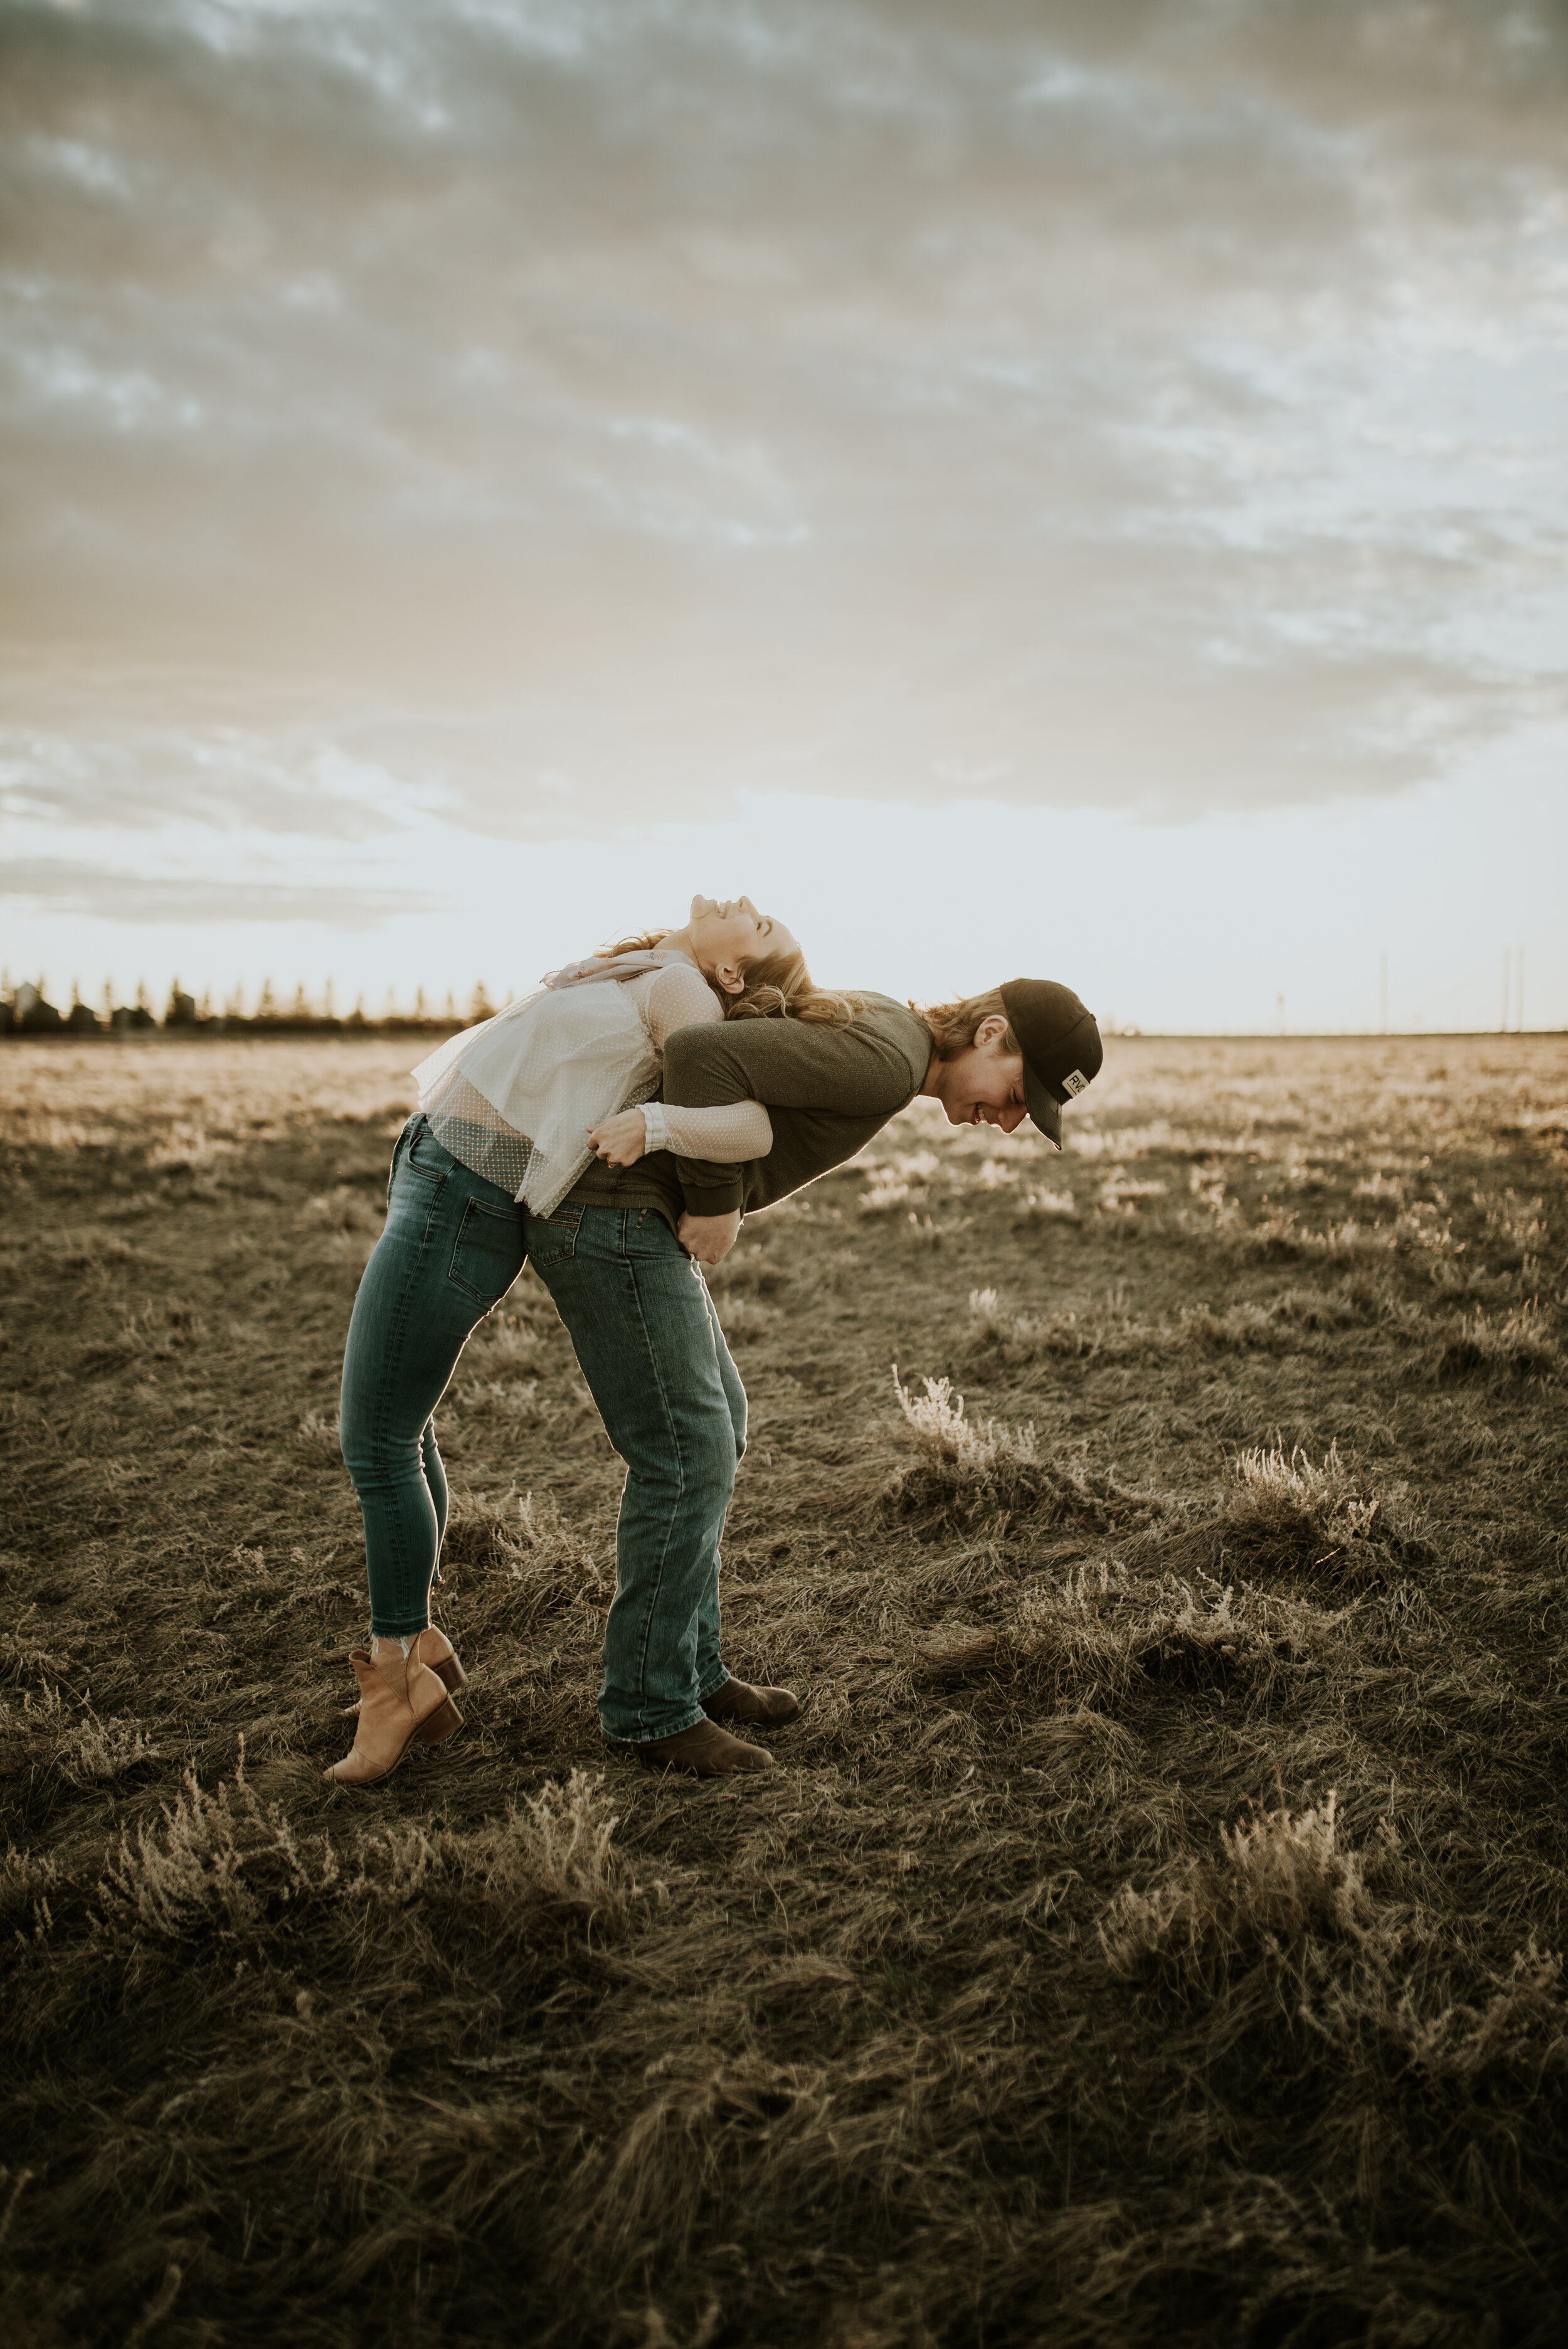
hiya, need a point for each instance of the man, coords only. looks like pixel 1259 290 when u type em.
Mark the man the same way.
pixel 620 1257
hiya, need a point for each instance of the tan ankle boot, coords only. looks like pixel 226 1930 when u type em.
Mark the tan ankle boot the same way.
pixel 738 1700
pixel 400 1698
pixel 705 1752
pixel 437 1650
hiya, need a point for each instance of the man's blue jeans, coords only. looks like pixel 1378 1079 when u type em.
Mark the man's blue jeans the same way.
pixel 652 1351
pixel 639 1315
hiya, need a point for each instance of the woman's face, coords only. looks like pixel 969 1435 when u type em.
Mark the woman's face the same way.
pixel 728 934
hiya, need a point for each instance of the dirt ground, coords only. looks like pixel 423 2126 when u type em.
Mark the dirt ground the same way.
pixel 1151 1935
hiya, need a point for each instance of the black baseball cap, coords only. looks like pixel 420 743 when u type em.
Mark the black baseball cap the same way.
pixel 1060 1043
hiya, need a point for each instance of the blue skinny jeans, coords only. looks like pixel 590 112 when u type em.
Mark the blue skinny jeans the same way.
pixel 642 1322
pixel 450 1249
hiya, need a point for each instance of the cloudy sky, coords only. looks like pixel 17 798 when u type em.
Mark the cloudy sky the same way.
pixel 1072 488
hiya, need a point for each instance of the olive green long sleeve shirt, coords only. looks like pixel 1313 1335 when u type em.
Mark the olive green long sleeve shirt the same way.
pixel 826 1092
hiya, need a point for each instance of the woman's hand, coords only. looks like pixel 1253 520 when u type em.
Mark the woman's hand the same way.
pixel 621 1140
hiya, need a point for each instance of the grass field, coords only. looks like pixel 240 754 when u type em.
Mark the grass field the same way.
pixel 1151 1934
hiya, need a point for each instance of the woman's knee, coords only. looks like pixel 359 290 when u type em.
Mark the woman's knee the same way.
pixel 379 1463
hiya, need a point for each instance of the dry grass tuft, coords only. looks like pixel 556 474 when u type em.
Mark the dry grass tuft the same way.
pixel 317 1437
pixel 977 1448
pixel 1518 1346
pixel 93 1749
pixel 1279 1883
pixel 564 1838
pixel 1040 1205
pixel 966 1468
pixel 91 1247
pixel 745 1319
pixel 507 1563
pixel 1286 1514
pixel 210 1863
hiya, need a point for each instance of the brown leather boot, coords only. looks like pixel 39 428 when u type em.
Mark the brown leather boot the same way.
pixel 399 1699
pixel 705 1752
pixel 738 1700
pixel 437 1650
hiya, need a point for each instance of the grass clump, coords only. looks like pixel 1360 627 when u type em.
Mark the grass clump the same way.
pixel 1042 1205
pixel 93 1749
pixel 1288 1514
pixel 210 1862
pixel 967 1467
pixel 1103 1633
pixel 510 1562
pixel 1279 1882
pixel 317 1437
pixel 1017 1337
pixel 979 1449
pixel 564 1839
pixel 1517 1346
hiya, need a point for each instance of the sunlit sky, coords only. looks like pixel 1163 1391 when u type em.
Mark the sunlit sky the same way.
pixel 1079 489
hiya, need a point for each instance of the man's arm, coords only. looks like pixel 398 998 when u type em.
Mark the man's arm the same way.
pixel 856 1071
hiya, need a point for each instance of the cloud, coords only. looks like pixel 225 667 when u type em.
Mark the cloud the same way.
pixel 566 414
pixel 60 885
pixel 119 770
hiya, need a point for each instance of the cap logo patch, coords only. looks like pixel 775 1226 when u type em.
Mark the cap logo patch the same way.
pixel 1076 1082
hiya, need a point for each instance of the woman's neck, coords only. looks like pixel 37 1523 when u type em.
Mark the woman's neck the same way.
pixel 679 942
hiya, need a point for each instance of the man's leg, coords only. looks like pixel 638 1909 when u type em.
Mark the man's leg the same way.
pixel 638 1315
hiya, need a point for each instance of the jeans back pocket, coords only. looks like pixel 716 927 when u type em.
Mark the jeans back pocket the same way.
pixel 553 1236
pixel 488 1253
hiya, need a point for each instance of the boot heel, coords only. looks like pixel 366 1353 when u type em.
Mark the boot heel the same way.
pixel 442 1722
pixel 452 1674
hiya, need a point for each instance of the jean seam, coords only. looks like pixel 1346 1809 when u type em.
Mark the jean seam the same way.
pixel 402 1314
pixel 650 1609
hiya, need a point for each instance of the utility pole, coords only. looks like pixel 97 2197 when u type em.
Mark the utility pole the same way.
pixel 1507 976
pixel 1519 989
pixel 1383 992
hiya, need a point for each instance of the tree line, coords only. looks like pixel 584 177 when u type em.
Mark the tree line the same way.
pixel 26 1010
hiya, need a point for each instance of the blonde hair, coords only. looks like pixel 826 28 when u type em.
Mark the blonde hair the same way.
pixel 780 987
pixel 955 1025
pixel 635 942
pixel 777 987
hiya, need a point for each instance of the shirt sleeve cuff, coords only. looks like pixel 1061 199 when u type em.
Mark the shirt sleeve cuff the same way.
pixel 655 1130
pixel 722 1200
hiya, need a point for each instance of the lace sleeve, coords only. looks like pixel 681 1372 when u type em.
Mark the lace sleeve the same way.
pixel 679 997
pixel 729 1135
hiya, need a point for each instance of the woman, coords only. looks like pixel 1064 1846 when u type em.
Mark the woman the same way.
pixel 510 1112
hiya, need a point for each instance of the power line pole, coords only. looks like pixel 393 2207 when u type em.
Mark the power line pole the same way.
pixel 1519 989
pixel 1383 991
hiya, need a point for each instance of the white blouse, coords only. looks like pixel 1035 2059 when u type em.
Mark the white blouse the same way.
pixel 514 1097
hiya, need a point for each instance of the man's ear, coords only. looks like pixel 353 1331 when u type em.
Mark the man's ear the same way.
pixel 992 1026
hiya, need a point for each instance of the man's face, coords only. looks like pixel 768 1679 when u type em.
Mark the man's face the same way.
pixel 985 1084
